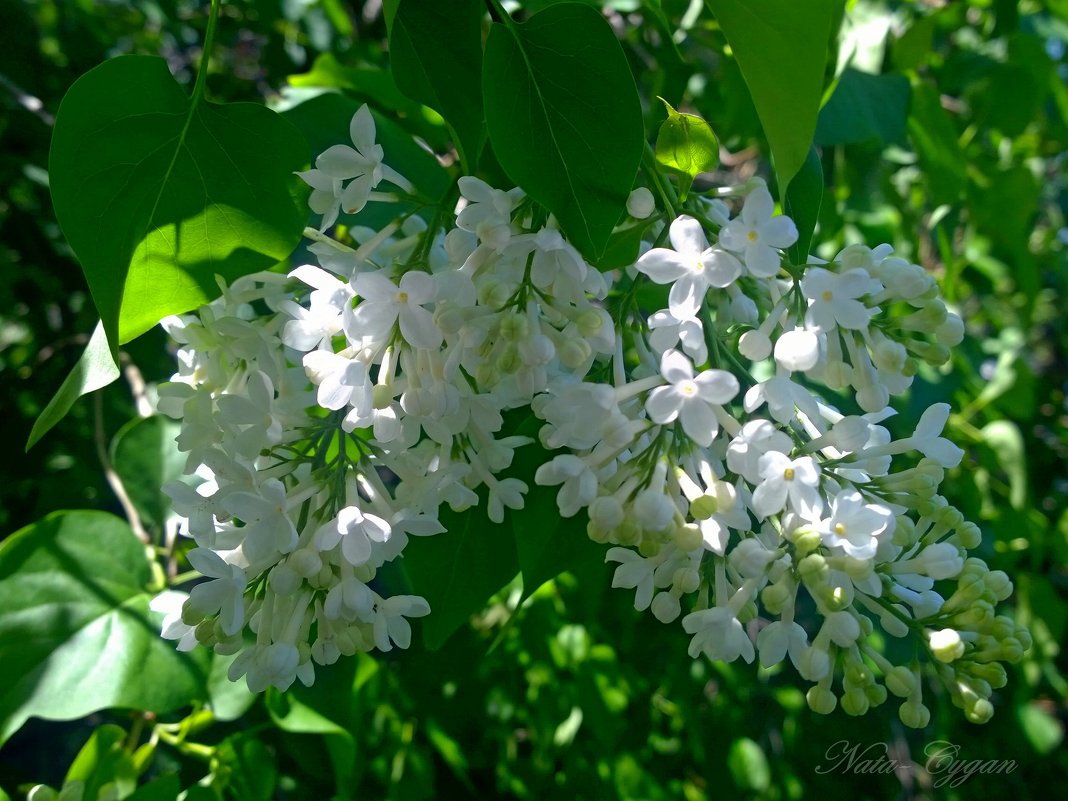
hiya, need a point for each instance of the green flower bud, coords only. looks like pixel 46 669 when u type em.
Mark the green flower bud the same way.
pixel 821 700
pixel 704 506
pixel 855 702
pixel 688 537
pixel 979 711
pixel 901 681
pixel 876 694
pixel 914 715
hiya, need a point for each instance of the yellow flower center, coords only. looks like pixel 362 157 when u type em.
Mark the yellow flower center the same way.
pixel 827 294
pixel 752 236
pixel 402 297
pixel 839 529
pixel 688 388
pixel 788 474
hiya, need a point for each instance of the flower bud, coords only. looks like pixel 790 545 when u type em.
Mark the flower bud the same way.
pixel 821 700
pixel 688 538
pixel 754 345
pixel 914 715
pixel 901 681
pixel 855 702
pixel 665 607
pixel 640 203
pixel 946 645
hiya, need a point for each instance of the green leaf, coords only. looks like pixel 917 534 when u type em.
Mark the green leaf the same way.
pixel 157 193
pixel 1003 437
pixel 548 544
pixel 76 633
pixel 781 47
pixel 376 87
pixel 564 117
pixel 1042 729
pixel 104 765
pixel 145 457
pixel 328 708
pixel 252 772
pixel 687 146
pixel 623 245
pixel 435 51
pixel 165 788
pixel 748 765
pixel 94 370
pixel 865 108
pixel 802 204
pixel 458 570
pixel 935 139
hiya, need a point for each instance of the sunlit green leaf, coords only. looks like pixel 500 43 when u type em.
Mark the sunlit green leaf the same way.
pixel 157 194
pixel 781 47
pixel 94 370
pixel 104 765
pixel 76 634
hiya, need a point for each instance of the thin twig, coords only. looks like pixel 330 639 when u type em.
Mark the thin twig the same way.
pixel 109 472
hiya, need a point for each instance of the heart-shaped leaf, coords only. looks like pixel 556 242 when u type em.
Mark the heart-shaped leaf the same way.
pixel 76 633
pixel 564 117
pixel 158 193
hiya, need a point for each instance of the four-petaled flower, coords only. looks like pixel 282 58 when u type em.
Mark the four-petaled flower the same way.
pixel 758 235
pixel 691 268
pixel 690 398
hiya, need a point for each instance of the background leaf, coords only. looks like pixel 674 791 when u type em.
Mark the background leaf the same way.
pixel 157 195
pixel 781 47
pixel 435 52
pixel 564 118
pixel 457 571
pixel 103 764
pixel 145 456
pixel 76 634
pixel 865 108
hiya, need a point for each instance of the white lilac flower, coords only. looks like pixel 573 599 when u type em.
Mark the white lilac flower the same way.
pixel 691 267
pixel 690 398
pixel 390 625
pixel 268 529
pixel 357 533
pixel 784 479
pixel 755 438
pixel 718 634
pixel 224 595
pixel 635 572
pixel 666 331
pixel 342 381
pixel 362 167
pixel 779 638
pixel 579 484
pixel 833 298
pixel 928 439
pixel 384 304
pixel 758 235
pixel 855 526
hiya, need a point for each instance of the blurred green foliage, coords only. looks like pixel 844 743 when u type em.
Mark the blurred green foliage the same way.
pixel 944 133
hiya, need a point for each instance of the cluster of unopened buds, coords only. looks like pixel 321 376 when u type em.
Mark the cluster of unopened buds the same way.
pixel 330 413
